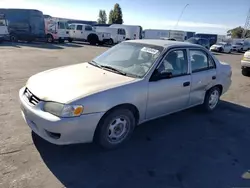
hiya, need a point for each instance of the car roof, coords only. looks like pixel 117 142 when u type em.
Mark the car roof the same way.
pixel 163 43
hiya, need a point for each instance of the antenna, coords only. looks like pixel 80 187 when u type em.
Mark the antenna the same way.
pixel 247 25
pixel 180 15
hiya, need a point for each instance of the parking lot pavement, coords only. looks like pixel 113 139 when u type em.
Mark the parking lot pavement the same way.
pixel 189 149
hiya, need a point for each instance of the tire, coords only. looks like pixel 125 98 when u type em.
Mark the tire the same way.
pixel 70 39
pixel 209 104
pixel 221 50
pixel 13 38
pixel 104 133
pixel 245 72
pixel 93 39
pixel 50 38
pixel 110 42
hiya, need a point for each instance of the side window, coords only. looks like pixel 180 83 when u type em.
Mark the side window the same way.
pixel 88 28
pixel 61 25
pixel 72 27
pixel 201 61
pixel 118 31
pixel 79 27
pixel 175 62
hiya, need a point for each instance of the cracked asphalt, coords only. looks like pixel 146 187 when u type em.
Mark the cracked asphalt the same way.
pixel 189 149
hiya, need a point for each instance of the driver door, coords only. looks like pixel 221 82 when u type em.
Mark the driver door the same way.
pixel 168 95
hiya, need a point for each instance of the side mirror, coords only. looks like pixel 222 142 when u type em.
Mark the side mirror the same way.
pixel 162 75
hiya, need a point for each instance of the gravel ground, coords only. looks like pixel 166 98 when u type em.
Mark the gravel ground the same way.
pixel 189 149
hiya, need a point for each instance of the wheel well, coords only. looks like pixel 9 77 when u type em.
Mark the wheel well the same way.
pixel 50 35
pixel 128 106
pixel 92 36
pixel 219 86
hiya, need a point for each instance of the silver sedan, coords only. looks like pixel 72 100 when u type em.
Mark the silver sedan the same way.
pixel 129 84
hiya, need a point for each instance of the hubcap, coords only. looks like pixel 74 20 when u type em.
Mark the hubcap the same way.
pixel 118 129
pixel 213 99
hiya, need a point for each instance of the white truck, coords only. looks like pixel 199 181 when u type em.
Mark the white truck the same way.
pixel 86 33
pixel 4 34
pixel 117 34
pixel 132 31
pixel 56 30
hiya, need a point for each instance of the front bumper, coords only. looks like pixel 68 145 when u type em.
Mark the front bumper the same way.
pixel 60 131
pixel 245 64
pixel 214 49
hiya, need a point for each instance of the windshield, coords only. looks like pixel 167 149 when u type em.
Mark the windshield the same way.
pixel 132 59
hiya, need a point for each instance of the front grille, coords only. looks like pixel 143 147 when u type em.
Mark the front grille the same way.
pixel 31 97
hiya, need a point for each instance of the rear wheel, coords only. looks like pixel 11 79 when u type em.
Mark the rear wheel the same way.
pixel 110 42
pixel 70 39
pixel 212 99
pixel 50 38
pixel 93 39
pixel 13 38
pixel 115 129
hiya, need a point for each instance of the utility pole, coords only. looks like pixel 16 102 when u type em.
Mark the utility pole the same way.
pixel 247 25
pixel 180 15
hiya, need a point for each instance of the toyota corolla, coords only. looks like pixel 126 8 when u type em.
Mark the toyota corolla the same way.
pixel 131 83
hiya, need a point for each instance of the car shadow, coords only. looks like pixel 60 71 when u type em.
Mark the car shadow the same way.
pixel 43 45
pixel 189 149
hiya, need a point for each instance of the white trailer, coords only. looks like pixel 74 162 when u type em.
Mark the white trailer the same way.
pixel 177 35
pixel 158 34
pixel 117 34
pixel 4 34
pixel 56 30
pixel 132 31
pixel 155 34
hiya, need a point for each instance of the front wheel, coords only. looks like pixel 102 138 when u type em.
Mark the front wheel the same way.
pixel 50 38
pixel 70 39
pixel 212 99
pixel 13 38
pixel 245 72
pixel 115 129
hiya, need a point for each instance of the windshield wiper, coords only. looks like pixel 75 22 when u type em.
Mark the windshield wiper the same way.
pixel 113 69
pixel 95 64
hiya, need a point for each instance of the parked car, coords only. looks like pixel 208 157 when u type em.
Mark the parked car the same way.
pixel 131 83
pixel 200 41
pixel 56 30
pixel 4 34
pixel 245 64
pixel 84 32
pixel 237 47
pixel 117 34
pixel 24 24
pixel 241 46
pixel 221 47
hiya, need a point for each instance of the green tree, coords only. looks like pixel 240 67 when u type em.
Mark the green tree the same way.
pixel 102 17
pixel 237 32
pixel 111 20
pixel 117 14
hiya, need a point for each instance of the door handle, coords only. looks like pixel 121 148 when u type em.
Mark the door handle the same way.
pixel 214 77
pixel 185 84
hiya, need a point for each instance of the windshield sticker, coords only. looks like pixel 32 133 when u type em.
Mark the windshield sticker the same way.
pixel 149 50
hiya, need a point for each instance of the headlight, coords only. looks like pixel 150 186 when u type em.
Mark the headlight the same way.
pixel 63 110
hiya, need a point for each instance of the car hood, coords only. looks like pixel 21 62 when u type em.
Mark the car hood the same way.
pixel 68 83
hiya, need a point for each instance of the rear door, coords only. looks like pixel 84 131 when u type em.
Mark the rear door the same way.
pixel 121 35
pixel 79 32
pixel 203 74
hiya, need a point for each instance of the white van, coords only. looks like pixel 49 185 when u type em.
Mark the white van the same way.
pixel 56 30
pixel 117 34
pixel 132 31
pixel 4 34
pixel 86 33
